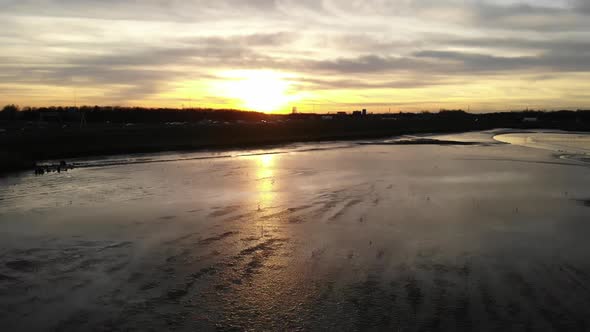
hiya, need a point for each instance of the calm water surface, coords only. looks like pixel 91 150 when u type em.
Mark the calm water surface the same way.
pixel 330 236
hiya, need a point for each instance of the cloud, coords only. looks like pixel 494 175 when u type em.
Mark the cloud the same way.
pixel 140 73
pixel 525 44
pixel 372 83
pixel 141 49
pixel 474 63
pixel 582 6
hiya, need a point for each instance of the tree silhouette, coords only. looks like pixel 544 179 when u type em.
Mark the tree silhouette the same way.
pixel 9 111
pixel 10 108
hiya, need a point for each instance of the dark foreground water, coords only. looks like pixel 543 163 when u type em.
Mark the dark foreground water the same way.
pixel 487 237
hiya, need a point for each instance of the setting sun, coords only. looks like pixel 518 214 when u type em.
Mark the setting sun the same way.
pixel 264 91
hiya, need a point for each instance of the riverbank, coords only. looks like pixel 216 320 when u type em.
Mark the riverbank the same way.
pixel 26 143
pixel 14 161
pixel 24 148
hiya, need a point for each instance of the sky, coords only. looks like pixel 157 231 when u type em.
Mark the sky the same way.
pixel 316 55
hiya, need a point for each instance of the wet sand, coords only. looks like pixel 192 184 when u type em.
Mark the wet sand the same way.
pixel 480 237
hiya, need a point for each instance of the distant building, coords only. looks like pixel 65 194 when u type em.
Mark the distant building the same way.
pixel 357 113
pixel 341 113
pixel 327 117
pixel 364 112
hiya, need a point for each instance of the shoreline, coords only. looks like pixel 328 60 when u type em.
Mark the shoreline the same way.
pixel 23 151
pixel 26 152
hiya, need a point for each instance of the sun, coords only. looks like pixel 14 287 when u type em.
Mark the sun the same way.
pixel 258 90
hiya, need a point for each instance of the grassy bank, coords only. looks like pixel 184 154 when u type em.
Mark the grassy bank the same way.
pixel 22 148
pixel 14 161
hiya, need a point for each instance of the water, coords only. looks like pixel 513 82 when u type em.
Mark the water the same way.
pixel 576 143
pixel 312 236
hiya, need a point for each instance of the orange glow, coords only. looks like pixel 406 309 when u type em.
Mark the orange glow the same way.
pixel 263 91
pixel 265 178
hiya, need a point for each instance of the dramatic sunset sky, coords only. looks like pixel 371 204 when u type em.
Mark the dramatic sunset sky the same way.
pixel 322 55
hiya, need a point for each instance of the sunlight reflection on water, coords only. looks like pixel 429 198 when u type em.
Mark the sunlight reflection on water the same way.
pixel 265 173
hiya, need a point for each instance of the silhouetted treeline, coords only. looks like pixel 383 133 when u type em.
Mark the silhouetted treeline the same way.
pixel 117 114
pixel 139 115
pixel 31 135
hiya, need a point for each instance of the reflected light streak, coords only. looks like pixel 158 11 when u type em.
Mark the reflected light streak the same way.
pixel 265 173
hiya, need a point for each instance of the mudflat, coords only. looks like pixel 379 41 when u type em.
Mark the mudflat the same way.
pixel 484 236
